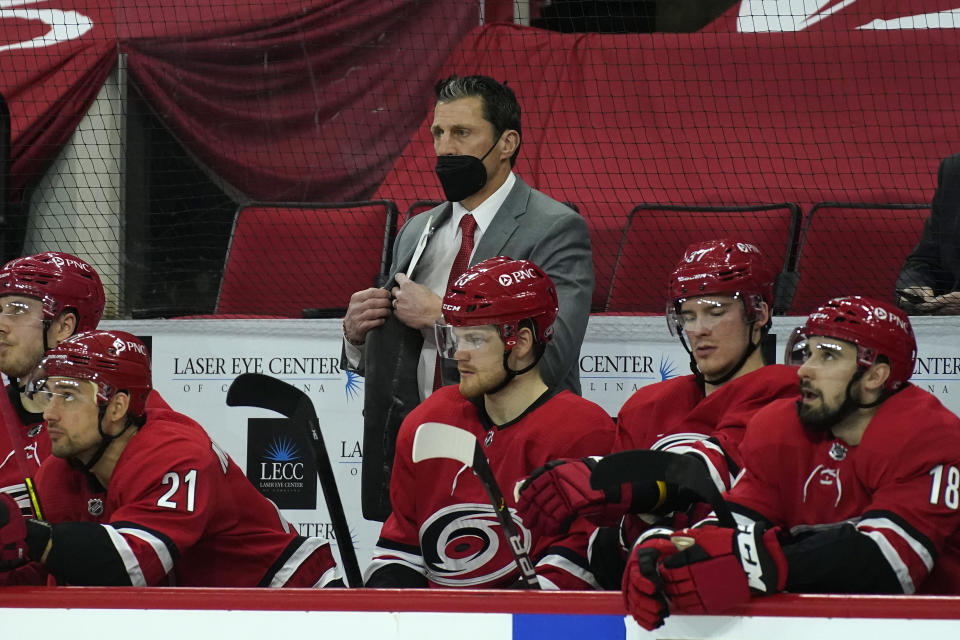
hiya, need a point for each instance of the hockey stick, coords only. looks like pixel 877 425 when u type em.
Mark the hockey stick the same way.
pixel 673 468
pixel 266 392
pixel 438 440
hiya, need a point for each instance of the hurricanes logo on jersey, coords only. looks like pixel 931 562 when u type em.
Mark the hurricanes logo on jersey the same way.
pixel 464 545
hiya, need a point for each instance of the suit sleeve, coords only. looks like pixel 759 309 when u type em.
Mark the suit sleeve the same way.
pixel 564 254
pixel 923 267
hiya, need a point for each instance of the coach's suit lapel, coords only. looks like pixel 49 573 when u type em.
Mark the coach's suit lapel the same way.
pixel 419 228
pixel 505 223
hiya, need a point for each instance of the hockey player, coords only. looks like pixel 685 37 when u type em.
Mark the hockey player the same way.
pixel 137 494
pixel 443 531
pixel 719 305
pixel 850 489
pixel 44 298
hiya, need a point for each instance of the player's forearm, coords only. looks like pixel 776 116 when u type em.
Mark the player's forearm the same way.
pixel 77 553
pixel 838 560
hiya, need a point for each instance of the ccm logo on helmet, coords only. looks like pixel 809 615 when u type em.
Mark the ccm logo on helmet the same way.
pixel 121 346
pixel 57 260
pixel 507 279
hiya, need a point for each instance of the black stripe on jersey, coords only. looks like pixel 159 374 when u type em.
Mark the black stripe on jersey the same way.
pixel 162 537
pixel 281 560
pixel 488 424
pixel 906 526
pixel 732 467
pixel 392 545
pixel 568 554
pixel 83 554
pixel 739 509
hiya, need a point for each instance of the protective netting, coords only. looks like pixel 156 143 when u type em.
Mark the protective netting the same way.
pixel 140 134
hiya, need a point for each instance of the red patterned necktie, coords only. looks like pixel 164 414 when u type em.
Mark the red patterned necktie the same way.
pixel 467 226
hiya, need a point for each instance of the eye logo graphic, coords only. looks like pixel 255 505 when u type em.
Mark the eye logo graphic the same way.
pixel 667 368
pixel 277 466
pixel 282 449
pixel 352 388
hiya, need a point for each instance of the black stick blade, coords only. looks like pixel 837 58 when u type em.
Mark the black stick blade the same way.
pixel 641 465
pixel 264 392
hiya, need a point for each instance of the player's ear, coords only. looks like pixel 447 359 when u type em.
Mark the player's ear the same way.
pixel 525 344
pixel 117 410
pixel 62 327
pixel 876 376
pixel 509 141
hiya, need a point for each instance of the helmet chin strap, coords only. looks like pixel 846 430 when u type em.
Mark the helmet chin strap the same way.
pixel 46 330
pixel 513 373
pixel 105 440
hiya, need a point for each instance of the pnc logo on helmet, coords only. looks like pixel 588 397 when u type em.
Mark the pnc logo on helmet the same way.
pixel 57 260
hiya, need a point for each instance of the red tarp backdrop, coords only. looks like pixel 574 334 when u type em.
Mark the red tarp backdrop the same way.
pixel 299 101
pixel 285 100
pixel 611 121
pixel 54 56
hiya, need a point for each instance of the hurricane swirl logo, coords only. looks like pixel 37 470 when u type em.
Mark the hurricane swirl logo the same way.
pixel 463 545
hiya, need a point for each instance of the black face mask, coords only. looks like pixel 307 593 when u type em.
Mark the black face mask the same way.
pixel 462 176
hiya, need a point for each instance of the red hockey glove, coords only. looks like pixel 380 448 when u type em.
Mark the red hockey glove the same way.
pixel 643 588
pixel 718 567
pixel 13 534
pixel 558 492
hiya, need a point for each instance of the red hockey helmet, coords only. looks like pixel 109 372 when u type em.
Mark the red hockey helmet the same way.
pixel 502 292
pixel 877 328
pixel 721 266
pixel 61 281
pixel 114 360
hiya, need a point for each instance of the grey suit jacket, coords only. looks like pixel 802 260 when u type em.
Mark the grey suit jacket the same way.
pixel 529 225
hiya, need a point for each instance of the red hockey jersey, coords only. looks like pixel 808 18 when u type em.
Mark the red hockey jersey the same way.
pixel 443 525
pixel 674 415
pixel 32 448
pixel 179 511
pixel 900 485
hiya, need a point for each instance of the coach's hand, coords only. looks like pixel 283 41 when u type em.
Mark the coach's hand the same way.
pixel 366 310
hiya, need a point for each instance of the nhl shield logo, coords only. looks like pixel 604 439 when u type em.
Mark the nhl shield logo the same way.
pixel 489 439
pixel 838 451
pixel 95 506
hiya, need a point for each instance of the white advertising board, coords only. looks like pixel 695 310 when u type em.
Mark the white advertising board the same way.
pixel 194 362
